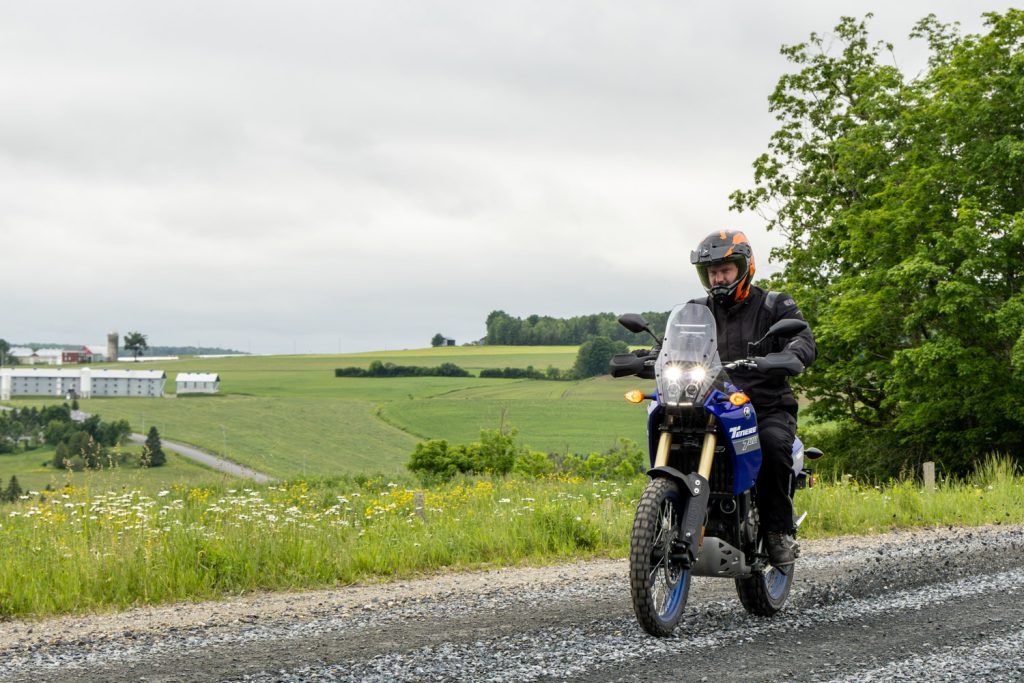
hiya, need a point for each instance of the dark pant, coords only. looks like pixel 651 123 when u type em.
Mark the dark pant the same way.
pixel 777 430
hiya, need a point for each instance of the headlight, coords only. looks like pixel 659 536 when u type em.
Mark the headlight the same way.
pixel 673 373
pixel 681 384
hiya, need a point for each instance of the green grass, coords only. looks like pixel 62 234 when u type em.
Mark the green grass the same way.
pixel 553 426
pixel 313 375
pixel 34 475
pixel 282 437
pixel 93 550
pixel 289 416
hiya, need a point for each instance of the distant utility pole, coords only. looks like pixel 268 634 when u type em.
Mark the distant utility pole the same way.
pixel 224 449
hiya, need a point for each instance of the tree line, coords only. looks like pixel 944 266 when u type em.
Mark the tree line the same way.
pixel 591 360
pixel 538 330
pixel 384 369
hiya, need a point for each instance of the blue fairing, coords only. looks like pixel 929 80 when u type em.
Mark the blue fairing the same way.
pixel 745 449
pixel 738 424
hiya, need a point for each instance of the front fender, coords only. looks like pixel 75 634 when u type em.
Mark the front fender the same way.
pixel 691 525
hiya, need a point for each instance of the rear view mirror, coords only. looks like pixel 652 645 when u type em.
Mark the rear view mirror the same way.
pixel 634 322
pixel 790 327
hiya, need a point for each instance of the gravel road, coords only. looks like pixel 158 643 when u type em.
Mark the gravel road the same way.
pixel 936 605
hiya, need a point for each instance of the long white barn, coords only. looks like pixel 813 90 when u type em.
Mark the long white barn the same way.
pixel 197 383
pixel 81 383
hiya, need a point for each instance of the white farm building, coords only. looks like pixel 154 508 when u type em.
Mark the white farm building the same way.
pixel 80 383
pixel 197 383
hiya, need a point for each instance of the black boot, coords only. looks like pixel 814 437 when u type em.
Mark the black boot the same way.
pixel 782 548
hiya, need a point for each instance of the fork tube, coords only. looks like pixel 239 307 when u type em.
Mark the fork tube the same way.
pixel 707 452
pixel 661 458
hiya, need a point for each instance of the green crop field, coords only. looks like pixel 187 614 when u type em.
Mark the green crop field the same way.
pixel 288 416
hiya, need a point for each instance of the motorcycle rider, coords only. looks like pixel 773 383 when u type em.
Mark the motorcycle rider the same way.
pixel 743 313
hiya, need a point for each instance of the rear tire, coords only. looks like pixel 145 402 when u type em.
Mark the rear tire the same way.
pixel 658 585
pixel 765 592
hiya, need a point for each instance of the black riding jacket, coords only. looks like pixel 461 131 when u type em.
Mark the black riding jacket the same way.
pixel 747 321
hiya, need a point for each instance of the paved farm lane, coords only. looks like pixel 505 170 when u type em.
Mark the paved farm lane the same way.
pixel 208 459
pixel 940 605
pixel 192 453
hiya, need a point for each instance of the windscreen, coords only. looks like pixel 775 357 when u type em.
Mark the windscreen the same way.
pixel 688 362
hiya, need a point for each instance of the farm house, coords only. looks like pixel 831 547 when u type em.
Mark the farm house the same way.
pixel 197 383
pixel 80 383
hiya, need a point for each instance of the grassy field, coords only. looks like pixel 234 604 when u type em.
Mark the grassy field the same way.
pixel 288 416
pixel 102 550
pixel 35 474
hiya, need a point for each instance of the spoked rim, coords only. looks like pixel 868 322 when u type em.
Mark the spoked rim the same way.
pixel 667 579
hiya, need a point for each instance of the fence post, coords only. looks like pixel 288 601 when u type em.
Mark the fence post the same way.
pixel 929 476
pixel 417 501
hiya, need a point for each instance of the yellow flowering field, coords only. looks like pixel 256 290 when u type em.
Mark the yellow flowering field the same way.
pixel 73 551
pixel 78 550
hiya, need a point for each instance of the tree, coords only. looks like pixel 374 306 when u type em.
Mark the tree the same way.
pixel 136 343
pixel 594 354
pixel 152 452
pixel 13 490
pixel 438 340
pixel 5 353
pixel 902 202
pixel 78 451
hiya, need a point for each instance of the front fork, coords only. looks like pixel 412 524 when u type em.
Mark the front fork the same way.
pixel 707 451
pixel 696 485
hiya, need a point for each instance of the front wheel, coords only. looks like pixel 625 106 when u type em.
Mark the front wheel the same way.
pixel 659 584
pixel 765 592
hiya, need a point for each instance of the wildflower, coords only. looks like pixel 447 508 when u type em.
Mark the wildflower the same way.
pixel 162 494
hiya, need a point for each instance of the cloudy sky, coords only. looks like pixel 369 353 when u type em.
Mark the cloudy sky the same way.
pixel 346 176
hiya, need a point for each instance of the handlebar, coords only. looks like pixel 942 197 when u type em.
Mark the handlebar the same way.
pixel 641 364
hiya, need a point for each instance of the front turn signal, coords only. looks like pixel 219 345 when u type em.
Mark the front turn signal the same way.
pixel 738 398
pixel 635 396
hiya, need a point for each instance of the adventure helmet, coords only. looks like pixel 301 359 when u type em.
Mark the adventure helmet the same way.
pixel 725 246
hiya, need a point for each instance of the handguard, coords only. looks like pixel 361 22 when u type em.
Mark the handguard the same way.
pixel 781 363
pixel 626 364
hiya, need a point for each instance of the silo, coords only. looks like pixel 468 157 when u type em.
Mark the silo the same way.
pixel 112 341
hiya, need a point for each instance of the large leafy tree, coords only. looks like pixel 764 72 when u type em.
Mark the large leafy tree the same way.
pixel 902 201
pixel 593 356
pixel 136 343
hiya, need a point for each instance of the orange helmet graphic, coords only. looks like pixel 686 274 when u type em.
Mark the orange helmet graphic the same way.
pixel 725 246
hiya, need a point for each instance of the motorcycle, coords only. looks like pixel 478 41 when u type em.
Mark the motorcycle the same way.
pixel 698 514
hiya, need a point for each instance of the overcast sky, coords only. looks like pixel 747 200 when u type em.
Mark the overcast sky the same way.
pixel 347 176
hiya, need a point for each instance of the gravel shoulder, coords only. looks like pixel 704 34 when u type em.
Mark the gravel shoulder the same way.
pixel 860 605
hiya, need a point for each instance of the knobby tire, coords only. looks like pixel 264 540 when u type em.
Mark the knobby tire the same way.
pixel 659 587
